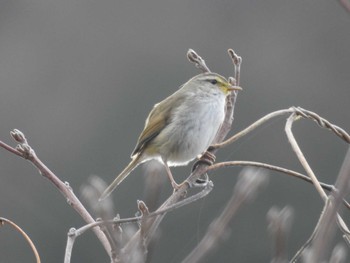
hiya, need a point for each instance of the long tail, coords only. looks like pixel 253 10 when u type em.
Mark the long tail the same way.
pixel 127 170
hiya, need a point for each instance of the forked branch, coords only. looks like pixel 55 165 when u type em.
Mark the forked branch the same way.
pixel 24 150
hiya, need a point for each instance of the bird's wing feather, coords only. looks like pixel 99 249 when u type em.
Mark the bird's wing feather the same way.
pixel 150 131
pixel 158 118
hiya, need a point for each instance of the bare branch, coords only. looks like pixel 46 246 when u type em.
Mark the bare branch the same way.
pixel 237 62
pixel 323 123
pixel 265 166
pixel 345 4
pixel 301 156
pixel 197 60
pixel 249 183
pixel 300 112
pixel 10 149
pixel 251 127
pixel 4 221
pixel 25 151
pixel 271 167
pixel 279 225
pixel 327 227
pixel 338 254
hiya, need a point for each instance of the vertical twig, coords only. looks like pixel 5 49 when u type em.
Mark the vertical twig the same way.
pixel 230 101
pixel 338 254
pixel 329 208
pixel 279 224
pixel 193 57
pixel 249 183
pixel 301 157
pixel 326 228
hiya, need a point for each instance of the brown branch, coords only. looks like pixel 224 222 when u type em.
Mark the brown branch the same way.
pixel 24 150
pixel 193 57
pixel 345 4
pixel 271 167
pixel 251 127
pixel 230 102
pixel 266 166
pixel 324 216
pixel 249 183
pixel 279 225
pixel 301 157
pixel 237 62
pixel 338 254
pixel 323 123
pixel 4 221
pixel 144 218
pixel 10 149
pixel 326 227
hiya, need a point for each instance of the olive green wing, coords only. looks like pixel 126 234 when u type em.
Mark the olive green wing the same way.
pixel 155 123
pixel 158 118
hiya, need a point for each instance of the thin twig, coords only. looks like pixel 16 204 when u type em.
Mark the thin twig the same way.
pixel 25 151
pixel 237 62
pixel 301 157
pixel 90 193
pixel 328 187
pixel 279 225
pixel 10 149
pixel 230 102
pixel 26 237
pixel 197 60
pixel 74 233
pixel 251 127
pixel 338 254
pixel 345 4
pixel 249 183
pixel 300 112
pixel 323 123
pixel 269 167
pixel 326 228
pixel 303 248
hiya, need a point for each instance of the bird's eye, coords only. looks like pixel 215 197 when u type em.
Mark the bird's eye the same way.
pixel 213 81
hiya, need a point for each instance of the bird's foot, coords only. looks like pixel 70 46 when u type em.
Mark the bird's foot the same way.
pixel 207 158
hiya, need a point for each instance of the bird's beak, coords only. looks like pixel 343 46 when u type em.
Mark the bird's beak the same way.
pixel 232 88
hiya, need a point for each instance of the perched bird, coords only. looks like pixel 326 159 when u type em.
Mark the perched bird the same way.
pixel 182 126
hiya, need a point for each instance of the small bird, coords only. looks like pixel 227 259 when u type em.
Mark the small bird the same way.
pixel 181 127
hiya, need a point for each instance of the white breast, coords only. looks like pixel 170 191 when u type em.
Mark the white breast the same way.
pixel 192 129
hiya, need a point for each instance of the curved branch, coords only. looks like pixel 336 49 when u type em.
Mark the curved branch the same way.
pixel 269 167
pixel 301 156
pixel 26 237
pixel 251 127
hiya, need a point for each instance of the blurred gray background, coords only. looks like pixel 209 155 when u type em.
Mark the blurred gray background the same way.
pixel 79 78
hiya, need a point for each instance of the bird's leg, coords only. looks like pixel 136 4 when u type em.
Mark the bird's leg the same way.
pixel 175 185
